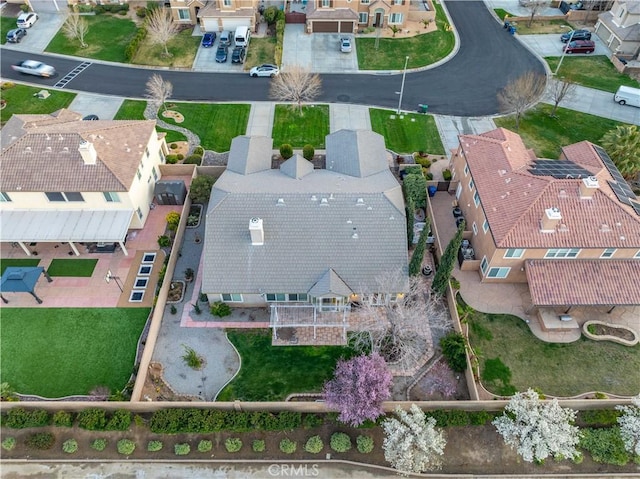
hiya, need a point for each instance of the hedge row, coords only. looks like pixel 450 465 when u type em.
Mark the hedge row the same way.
pixel 94 419
pixel 171 421
pixel 131 49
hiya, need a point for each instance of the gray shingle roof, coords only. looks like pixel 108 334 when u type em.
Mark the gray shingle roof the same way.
pixel 330 283
pixel 296 167
pixel 356 153
pixel 247 154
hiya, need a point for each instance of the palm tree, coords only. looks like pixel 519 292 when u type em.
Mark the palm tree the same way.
pixel 623 146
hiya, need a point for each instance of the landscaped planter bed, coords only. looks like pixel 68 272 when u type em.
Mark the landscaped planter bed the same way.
pixel 610 332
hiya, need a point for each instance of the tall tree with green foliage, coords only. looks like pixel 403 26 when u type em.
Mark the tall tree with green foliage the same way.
pixel 443 273
pixel 623 146
pixel 200 190
pixel 411 208
pixel 415 186
pixel 415 265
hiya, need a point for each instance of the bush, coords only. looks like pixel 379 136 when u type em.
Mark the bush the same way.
pixel 173 220
pixel 312 420
pixel 41 440
pixel 605 445
pixel 220 309
pixel 173 146
pixel 270 14
pixel 340 442
pixel 446 174
pixel 164 241
pixel 141 12
pixel 93 419
pixel 314 445
pixel 598 417
pixel 429 176
pixel 200 189
pixel 20 418
pixel 308 151
pixel 180 156
pixel 192 358
pixel 126 447
pixel 119 421
pixel 99 444
pixel 233 444
pixel 193 160
pixel 450 418
pixel 8 443
pixel 480 418
pixel 364 444
pixel 258 445
pixel 414 185
pixel 70 446
pixel 288 446
pixel 154 446
pixel 6 85
pixel 182 449
pixel 286 151
pixel 63 419
pixel 171 159
pixel 454 350
pixel 205 445
pixel 198 150
pixel 133 46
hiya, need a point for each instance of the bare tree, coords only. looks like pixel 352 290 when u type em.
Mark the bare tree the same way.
pixel 535 6
pixel 559 90
pixel 76 27
pixel 402 332
pixel 297 85
pixel 520 93
pixel 158 90
pixel 161 28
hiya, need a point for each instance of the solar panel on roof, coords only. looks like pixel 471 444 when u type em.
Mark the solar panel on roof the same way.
pixel 636 207
pixel 558 169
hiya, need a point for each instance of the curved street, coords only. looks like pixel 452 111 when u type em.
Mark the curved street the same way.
pixel 466 85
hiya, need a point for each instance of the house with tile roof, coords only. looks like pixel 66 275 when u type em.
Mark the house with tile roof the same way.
pixel 307 241
pixel 619 28
pixel 69 180
pixel 569 228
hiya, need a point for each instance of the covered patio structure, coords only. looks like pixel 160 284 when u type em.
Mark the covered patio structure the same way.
pixel 305 324
pixel 21 280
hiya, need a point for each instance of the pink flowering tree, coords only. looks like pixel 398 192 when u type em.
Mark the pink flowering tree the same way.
pixel 358 388
pixel 440 379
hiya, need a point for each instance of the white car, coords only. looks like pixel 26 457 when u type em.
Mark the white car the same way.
pixel 266 70
pixel 345 45
pixel 26 20
pixel 33 67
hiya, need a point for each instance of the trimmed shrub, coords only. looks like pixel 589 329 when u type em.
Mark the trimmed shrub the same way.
pixel 182 449
pixel 126 446
pixel 8 443
pixel 480 418
pixel 340 442
pixel 41 440
pixel 286 151
pixel 598 417
pixel 205 445
pixel 154 446
pixel 446 174
pixel 314 445
pixel 63 419
pixel 119 421
pixel 308 151
pixel 364 444
pixel 171 159
pixel 198 150
pixel 200 189
pixel 454 351
pixel 414 185
pixel 19 418
pixel 180 157
pixel 173 220
pixel 70 446
pixel 93 419
pixel 99 444
pixel 220 309
pixel 258 445
pixel 288 446
pixel 132 48
pixel 312 420
pixel 605 445
pixel 193 160
pixel 233 444
pixel 164 241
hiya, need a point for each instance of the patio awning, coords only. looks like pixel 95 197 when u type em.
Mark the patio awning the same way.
pixel 108 226
pixel 597 282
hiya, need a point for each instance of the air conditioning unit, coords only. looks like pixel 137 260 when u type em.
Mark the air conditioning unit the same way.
pixel 565 317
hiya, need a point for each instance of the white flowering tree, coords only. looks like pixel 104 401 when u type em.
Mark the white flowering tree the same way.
pixel 630 426
pixel 412 443
pixel 538 429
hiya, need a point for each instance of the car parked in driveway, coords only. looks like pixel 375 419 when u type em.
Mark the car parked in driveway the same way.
pixel 15 35
pixel 238 54
pixel 221 54
pixel 266 70
pixel 345 45
pixel 580 46
pixel 33 67
pixel 225 38
pixel 208 39
pixel 26 20
pixel 577 35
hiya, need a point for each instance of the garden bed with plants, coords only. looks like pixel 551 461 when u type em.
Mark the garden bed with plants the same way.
pixel 195 212
pixel 599 331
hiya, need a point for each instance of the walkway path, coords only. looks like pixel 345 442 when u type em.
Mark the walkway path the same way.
pixel 151 112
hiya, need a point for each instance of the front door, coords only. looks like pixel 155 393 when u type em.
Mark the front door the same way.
pixel 379 19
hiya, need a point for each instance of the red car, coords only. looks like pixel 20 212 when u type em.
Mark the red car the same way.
pixel 580 46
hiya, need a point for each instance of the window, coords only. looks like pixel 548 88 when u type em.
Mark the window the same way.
pixel 364 2
pixel 54 196
pixel 231 298
pixel 139 211
pixel 4 197
pixel 73 196
pixel 139 173
pixel 608 253
pixel 485 226
pixel 484 264
pixel 637 255
pixel 227 3
pixel 471 184
pixel 64 196
pixel 474 226
pixel 498 272
pixel 395 18
pixel 162 157
pixel 326 3
pixel 363 17
pixel 466 169
pixel 562 253
pixel 183 14
pixel 149 179
pixel 514 253
pixel 476 198
pixel 154 173
pixel 294 297
pixel 146 150
pixel 111 197
pixel 398 2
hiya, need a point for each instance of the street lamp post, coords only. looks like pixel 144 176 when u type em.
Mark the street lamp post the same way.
pixel 404 73
pixel 564 52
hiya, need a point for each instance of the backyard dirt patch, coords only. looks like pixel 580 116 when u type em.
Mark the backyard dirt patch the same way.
pixel 174 115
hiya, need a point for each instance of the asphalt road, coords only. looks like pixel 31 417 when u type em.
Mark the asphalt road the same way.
pixel 466 85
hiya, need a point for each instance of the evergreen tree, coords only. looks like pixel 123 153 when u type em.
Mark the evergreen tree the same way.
pixel 418 253
pixel 411 208
pixel 443 273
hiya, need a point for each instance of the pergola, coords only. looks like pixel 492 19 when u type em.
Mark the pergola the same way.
pixel 307 316
pixel 21 280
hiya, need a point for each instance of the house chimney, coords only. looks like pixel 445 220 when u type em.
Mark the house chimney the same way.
pixel 550 220
pixel 88 152
pixel 256 231
pixel 588 187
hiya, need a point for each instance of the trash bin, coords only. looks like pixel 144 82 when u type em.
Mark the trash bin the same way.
pixel 423 108
pixel 512 30
pixel 507 24
pixel 432 191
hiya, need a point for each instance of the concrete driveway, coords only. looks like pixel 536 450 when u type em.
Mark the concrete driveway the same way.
pixel 40 34
pixel 319 52
pixel 549 45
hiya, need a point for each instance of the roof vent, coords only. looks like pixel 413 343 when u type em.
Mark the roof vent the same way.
pixel 324 201
pixel 281 201
pixel 563 194
pixel 256 231
pixel 349 222
pixel 604 228
pixel 588 187
pixel 331 197
pixel 314 198
pixel 354 235
pixel 550 220
pixel 360 201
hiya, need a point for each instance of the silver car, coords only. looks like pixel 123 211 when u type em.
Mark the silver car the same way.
pixel 33 67
pixel 266 70
pixel 345 45
pixel 26 20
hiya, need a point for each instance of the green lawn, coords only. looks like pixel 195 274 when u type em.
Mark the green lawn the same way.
pixel 134 110
pixel 310 128
pixel 262 51
pixel 17 262
pixel 412 133
pixel 422 49
pixel 20 100
pixel 215 124
pixel 502 13
pixel 6 24
pixel 547 135
pixel 182 51
pixel 106 39
pixel 63 351
pixel 593 72
pixel 556 369
pixel 271 373
pixel 78 268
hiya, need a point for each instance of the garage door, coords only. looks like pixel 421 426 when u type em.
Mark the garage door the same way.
pixel 210 24
pixel 346 27
pixel 324 27
pixel 233 23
